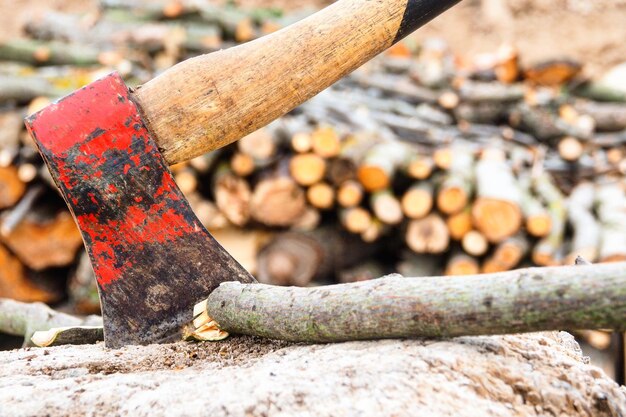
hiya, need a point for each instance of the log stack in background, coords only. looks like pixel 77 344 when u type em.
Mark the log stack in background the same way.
pixel 422 161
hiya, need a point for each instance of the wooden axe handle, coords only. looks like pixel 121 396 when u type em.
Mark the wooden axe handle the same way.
pixel 209 101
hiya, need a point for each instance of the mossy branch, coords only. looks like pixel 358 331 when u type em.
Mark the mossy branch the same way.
pixel 526 300
pixel 24 319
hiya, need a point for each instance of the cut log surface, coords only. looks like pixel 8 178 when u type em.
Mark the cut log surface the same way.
pixel 277 202
pixel 417 201
pixel 496 212
pixel 40 246
pixel 15 284
pixel 469 376
pixel 456 189
pixel 11 187
pixel 232 196
pixel 377 169
pixel 428 235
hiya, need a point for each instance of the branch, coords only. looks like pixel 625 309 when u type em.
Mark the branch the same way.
pixel 24 319
pixel 526 300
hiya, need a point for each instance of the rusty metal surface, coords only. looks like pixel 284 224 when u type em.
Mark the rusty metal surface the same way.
pixel 152 258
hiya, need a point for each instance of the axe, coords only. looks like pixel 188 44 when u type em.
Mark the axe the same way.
pixel 108 148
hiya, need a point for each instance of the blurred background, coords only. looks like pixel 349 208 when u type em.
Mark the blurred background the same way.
pixel 491 139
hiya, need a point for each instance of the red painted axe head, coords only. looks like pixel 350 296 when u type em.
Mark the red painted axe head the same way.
pixel 152 258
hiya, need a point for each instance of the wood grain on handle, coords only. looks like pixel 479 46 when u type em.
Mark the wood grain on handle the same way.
pixel 212 100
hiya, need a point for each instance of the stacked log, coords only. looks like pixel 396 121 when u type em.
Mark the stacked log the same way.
pixel 422 163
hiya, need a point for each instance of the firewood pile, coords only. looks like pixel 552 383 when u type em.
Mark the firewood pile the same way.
pixel 422 162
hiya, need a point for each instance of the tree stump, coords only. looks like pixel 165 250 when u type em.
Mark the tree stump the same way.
pixel 515 375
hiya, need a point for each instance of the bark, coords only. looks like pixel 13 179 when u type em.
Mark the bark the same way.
pixel 586 229
pixel 537 218
pixel 82 288
pixel 74 335
pixel 612 215
pixel 607 116
pixel 11 124
pixel 588 297
pixel 548 251
pixel 48 53
pixel 24 89
pixel 481 112
pixel 544 124
pixel 479 92
pixel 397 86
pixel 298 258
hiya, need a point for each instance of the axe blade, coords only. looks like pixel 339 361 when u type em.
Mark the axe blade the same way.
pixel 152 257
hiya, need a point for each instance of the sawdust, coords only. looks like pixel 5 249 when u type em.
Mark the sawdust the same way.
pixel 176 356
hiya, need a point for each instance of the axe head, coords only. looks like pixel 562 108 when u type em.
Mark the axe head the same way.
pixel 152 258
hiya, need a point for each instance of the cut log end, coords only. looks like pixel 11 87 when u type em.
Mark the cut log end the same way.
pixel 420 168
pixel 350 194
pixel 570 149
pixel 496 219
pixel 459 224
pixel 475 243
pixel 373 177
pixel 307 169
pixel 242 164
pixel 428 235
pixel 417 202
pixel 321 195
pixel 277 202
pixel 325 142
pixel 539 225
pixel 451 200
pixel 461 264
pixel 356 219
pixel 386 207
